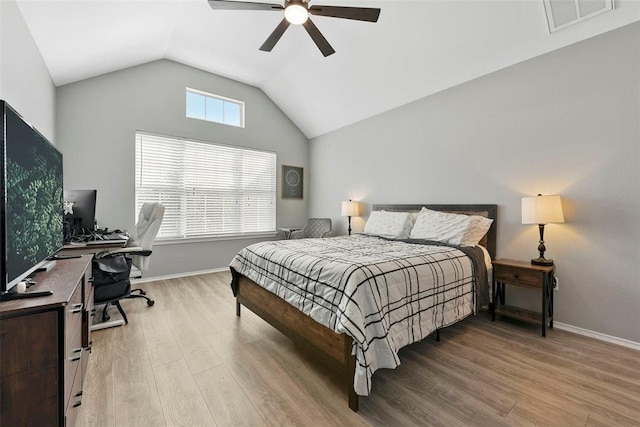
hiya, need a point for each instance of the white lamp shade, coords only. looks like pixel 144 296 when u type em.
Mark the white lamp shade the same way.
pixel 542 210
pixel 350 208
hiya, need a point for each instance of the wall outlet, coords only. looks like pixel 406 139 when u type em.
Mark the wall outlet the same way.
pixel 556 283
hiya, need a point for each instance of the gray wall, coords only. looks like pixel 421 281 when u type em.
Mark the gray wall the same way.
pixel 96 123
pixel 563 123
pixel 25 82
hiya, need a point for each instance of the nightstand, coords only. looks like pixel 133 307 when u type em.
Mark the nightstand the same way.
pixel 525 275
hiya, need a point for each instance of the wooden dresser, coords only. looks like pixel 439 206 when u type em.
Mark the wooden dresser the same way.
pixel 44 348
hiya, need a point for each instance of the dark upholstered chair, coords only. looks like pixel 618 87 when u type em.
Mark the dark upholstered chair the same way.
pixel 315 227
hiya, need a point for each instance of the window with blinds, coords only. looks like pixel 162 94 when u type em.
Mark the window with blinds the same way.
pixel 209 190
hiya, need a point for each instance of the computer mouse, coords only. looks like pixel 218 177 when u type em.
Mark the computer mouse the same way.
pixel 117 231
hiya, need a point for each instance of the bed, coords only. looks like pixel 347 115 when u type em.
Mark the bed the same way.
pixel 327 294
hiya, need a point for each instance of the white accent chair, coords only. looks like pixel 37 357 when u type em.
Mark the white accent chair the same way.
pixel 149 221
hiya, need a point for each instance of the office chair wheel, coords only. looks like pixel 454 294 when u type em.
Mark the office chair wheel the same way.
pixel 150 302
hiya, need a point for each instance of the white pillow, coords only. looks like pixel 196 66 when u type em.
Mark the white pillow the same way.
pixel 392 225
pixel 479 226
pixel 455 229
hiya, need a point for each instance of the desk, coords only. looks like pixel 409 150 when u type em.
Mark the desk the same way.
pixel 287 232
pixel 83 248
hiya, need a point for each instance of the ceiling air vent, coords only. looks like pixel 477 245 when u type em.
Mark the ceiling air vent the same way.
pixel 562 13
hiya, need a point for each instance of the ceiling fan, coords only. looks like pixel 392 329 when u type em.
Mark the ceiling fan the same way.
pixel 297 12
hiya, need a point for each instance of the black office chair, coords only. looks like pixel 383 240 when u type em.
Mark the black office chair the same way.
pixel 112 268
pixel 111 283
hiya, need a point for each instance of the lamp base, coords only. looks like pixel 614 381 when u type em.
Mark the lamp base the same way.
pixel 542 261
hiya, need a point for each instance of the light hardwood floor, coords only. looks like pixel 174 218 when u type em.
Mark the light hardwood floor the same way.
pixel 189 361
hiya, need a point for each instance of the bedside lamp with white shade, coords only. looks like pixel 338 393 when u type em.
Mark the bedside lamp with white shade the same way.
pixel 349 209
pixel 542 210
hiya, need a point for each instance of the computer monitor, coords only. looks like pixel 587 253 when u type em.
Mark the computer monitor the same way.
pixel 79 212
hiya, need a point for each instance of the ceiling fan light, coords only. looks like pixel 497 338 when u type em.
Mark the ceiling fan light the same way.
pixel 296 14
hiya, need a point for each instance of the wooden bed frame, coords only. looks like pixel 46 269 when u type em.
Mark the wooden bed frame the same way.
pixel 303 330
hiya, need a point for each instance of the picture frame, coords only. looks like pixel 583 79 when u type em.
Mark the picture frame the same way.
pixel 292 182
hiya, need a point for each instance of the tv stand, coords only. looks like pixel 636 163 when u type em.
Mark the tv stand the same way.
pixel 11 296
pixel 45 345
pixel 46 265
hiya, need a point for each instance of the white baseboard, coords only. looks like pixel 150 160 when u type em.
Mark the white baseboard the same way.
pixel 179 275
pixel 563 326
pixel 108 324
pixel 597 335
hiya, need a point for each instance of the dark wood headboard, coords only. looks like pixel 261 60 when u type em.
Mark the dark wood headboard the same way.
pixel 489 211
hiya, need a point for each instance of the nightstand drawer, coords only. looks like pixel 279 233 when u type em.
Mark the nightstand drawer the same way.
pixel 518 276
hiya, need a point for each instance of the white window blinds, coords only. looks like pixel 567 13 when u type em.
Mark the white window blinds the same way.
pixel 208 189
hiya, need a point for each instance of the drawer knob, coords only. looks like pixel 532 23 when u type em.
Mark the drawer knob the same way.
pixel 516 275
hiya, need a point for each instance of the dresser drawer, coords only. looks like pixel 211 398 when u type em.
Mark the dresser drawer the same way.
pixel 73 358
pixel 516 276
pixel 75 400
pixel 72 340
pixel 87 318
pixel 74 308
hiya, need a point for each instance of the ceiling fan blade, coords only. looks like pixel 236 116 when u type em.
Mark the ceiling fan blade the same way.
pixel 271 41
pixel 242 5
pixel 318 38
pixel 357 13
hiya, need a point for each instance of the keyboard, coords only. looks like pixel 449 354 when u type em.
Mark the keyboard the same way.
pixel 106 242
pixel 109 239
pixel 115 236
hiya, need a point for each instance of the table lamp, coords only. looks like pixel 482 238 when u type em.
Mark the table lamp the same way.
pixel 542 210
pixel 349 209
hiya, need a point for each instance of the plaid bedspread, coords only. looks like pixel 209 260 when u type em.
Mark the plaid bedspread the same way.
pixel 385 294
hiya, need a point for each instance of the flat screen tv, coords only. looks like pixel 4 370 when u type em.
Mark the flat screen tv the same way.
pixel 31 222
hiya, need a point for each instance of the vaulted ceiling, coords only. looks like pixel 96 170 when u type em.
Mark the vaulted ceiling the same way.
pixel 417 48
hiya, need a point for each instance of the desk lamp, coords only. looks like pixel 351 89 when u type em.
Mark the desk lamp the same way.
pixel 542 210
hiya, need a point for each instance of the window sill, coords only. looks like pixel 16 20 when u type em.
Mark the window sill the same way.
pixel 170 241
